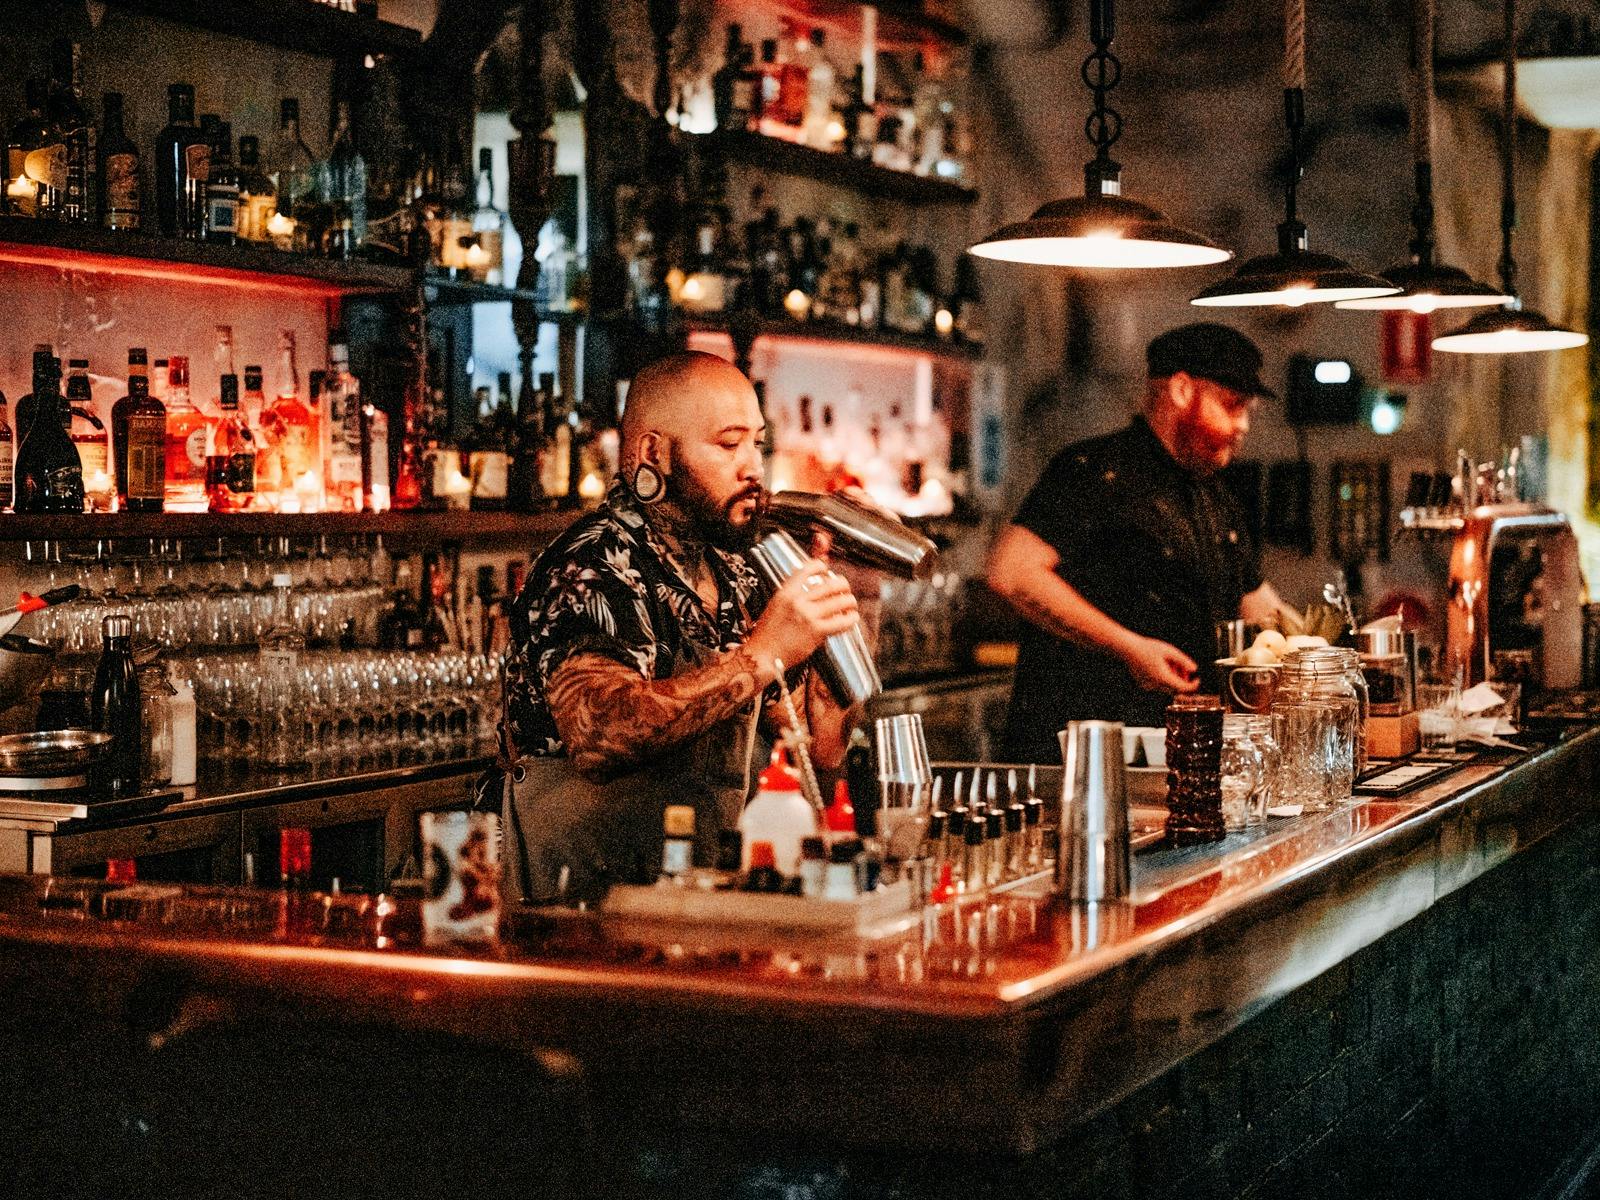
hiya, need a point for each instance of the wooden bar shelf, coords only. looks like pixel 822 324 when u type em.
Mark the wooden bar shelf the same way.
pixel 301 25
pixel 791 158
pixel 424 525
pixel 71 247
pixel 839 333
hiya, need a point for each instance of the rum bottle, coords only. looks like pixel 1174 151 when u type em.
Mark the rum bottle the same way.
pixel 36 161
pixel 182 168
pixel 66 110
pixel 188 443
pixel 120 203
pixel 144 449
pixel 49 475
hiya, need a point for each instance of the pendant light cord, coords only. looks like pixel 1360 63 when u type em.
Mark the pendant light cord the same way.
pixel 1422 216
pixel 1102 71
pixel 1508 154
pixel 1292 233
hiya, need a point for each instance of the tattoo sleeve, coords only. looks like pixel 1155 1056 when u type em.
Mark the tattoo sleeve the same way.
pixel 612 721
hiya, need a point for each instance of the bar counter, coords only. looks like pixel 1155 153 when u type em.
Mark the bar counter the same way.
pixel 1011 1029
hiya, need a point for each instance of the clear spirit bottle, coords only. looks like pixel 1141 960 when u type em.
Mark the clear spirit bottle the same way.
pixel 280 649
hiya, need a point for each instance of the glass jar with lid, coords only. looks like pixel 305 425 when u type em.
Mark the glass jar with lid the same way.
pixel 1243 776
pixel 155 726
pixel 1321 724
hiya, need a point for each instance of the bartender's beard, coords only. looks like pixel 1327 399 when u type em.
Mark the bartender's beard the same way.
pixel 705 520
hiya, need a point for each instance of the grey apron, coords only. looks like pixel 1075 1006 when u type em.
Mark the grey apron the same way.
pixel 568 837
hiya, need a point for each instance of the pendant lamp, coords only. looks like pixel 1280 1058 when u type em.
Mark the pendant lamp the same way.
pixel 1101 228
pixel 1426 285
pixel 1512 329
pixel 1294 275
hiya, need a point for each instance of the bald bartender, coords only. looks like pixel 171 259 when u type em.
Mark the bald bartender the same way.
pixel 643 657
pixel 1130 549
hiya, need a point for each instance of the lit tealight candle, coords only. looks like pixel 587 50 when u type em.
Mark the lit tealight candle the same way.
pixel 281 230
pixel 591 486
pixel 797 304
pixel 477 260
pixel 944 322
pixel 21 188
pixel 380 497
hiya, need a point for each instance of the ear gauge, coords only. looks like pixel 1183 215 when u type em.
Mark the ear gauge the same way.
pixel 649 485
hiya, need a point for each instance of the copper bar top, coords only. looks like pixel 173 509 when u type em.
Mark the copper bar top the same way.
pixel 988 1023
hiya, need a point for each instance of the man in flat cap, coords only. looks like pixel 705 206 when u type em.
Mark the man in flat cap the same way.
pixel 1130 549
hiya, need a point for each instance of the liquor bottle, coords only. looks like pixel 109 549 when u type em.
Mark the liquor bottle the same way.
pixel 375 495
pixel 143 487
pixel 486 258
pixel 7 457
pixel 341 413
pixel 293 171
pixel 36 161
pixel 489 461
pixel 27 405
pixel 137 368
pixel 523 493
pixel 158 379
pixel 188 443
pixel 821 129
pixel 182 168
pixel 344 186
pixel 726 80
pixel 279 658
pixel 789 101
pixel 231 467
pixel 555 450
pixel 258 198
pixel 222 188
pixel 293 432
pixel 770 75
pixel 49 475
pixel 114 707
pixel 121 205
pixel 88 433
pixel 454 223
pixel 704 286
pixel 401 627
pixel 254 402
pixel 436 594
pixel 66 111
pixel 860 117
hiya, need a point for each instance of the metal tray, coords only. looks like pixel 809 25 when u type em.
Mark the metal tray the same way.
pixel 53 752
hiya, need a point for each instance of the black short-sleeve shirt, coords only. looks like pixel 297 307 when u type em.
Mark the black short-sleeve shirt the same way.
pixel 1157 548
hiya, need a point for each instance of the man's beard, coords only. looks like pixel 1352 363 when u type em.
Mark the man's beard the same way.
pixel 710 522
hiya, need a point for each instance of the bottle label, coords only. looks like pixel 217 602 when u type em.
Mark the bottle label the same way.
pixel 194 448
pixel 254 213
pixel 48 165
pixel 197 162
pixel 222 210
pixel 489 472
pixel 279 662
pixel 122 191
pixel 93 454
pixel 5 473
pixel 147 456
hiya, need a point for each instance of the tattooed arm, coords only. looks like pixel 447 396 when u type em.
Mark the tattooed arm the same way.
pixel 611 720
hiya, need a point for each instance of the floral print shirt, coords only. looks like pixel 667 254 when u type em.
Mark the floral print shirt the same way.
pixel 609 585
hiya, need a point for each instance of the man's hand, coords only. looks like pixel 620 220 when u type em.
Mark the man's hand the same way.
pixel 812 605
pixel 1158 666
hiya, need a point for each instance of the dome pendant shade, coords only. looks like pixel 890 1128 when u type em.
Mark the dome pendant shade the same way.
pixel 1291 278
pixel 1104 231
pixel 1426 287
pixel 1509 331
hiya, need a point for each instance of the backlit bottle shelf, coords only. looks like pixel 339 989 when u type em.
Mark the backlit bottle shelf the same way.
pixel 429 525
pixel 71 247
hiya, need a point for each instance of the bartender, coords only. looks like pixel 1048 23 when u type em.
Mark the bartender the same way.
pixel 1130 549
pixel 642 658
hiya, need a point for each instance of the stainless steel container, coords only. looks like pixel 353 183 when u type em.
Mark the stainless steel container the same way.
pixel 1389 663
pixel 1093 856
pixel 860 534
pixel 845 662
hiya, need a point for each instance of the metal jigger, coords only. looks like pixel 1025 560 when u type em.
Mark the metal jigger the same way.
pixel 1092 856
pixel 904 779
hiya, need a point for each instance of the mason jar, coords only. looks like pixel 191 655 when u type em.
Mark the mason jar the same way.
pixel 1321 715
pixel 1243 771
pixel 155 726
pixel 1264 732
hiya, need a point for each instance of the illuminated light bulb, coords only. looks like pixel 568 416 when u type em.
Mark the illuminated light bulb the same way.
pixel 944 322
pixel 797 304
pixel 1385 418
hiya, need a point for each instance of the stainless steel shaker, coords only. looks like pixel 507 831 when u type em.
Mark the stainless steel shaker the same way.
pixel 1093 854
pixel 860 534
pixel 845 662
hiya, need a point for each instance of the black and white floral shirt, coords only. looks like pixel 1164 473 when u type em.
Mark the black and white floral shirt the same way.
pixel 609 585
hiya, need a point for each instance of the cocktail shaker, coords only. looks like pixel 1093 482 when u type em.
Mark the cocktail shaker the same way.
pixel 860 534
pixel 1092 859
pixel 845 662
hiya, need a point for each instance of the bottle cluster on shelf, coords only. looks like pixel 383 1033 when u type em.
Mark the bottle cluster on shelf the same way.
pixel 165 449
pixel 809 269
pixel 190 184
pixel 897 111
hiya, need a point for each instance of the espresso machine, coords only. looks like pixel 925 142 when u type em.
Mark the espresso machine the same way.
pixel 1516 588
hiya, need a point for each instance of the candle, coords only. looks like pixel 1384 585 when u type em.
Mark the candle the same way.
pixel 591 486
pixel 477 262
pixel 281 230
pixel 944 322
pixel 797 304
